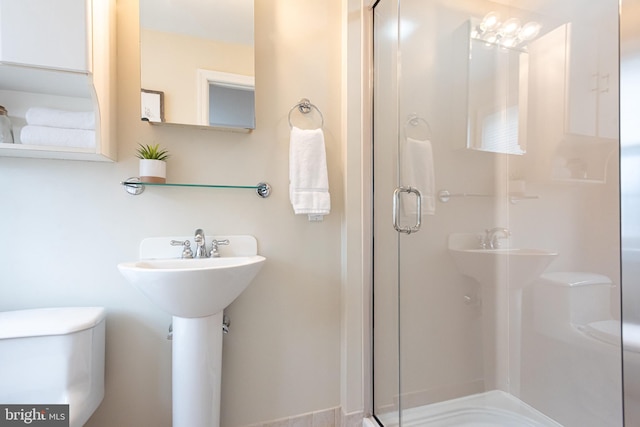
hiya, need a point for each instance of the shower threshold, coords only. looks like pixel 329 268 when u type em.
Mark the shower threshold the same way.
pixel 489 409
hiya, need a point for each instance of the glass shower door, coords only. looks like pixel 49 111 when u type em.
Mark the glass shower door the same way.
pixel 427 337
pixel 496 232
pixel 435 327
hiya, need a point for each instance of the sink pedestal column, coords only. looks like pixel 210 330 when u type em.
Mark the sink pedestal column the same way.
pixel 196 371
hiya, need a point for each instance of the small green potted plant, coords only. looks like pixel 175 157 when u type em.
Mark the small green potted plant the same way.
pixel 153 165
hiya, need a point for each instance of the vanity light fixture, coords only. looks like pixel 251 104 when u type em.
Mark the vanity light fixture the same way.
pixel 507 34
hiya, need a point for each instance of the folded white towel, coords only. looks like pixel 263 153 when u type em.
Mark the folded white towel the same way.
pixel 60 118
pixel 308 177
pixel 59 137
pixel 417 171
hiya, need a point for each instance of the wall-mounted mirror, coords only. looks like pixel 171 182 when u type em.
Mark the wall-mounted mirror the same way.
pixel 498 71
pixel 197 63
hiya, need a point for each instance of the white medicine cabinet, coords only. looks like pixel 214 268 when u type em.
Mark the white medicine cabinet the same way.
pixel 57 78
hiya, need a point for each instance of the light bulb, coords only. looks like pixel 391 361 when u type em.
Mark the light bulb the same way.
pixel 509 41
pixel 529 30
pixel 490 22
pixel 510 27
pixel 490 38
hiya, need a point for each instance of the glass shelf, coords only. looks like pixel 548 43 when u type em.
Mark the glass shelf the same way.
pixel 134 186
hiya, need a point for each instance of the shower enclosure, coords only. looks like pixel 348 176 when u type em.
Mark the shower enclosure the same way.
pixel 497 156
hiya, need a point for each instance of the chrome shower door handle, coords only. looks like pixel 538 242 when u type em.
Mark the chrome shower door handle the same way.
pixel 396 210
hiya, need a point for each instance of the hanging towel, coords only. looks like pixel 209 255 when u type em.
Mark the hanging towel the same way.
pixel 417 171
pixel 42 135
pixel 308 178
pixel 60 118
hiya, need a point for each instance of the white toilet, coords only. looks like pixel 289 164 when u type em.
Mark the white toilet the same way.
pixel 571 299
pixel 54 356
pixel 571 345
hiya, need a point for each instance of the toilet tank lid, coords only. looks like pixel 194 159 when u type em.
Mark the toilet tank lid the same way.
pixel 570 278
pixel 48 321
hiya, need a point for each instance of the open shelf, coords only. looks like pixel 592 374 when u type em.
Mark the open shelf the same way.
pixel 134 186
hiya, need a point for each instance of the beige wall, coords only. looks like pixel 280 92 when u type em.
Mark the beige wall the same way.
pixel 65 226
pixel 355 233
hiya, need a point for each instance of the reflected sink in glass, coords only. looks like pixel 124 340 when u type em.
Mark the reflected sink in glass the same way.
pixel 488 266
pixel 192 287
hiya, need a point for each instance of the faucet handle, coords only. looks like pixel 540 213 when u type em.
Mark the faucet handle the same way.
pixel 186 247
pixel 214 247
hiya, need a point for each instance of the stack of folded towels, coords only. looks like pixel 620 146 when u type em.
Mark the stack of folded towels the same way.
pixel 51 127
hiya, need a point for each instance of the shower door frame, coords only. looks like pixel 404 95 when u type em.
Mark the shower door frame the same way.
pixel 629 285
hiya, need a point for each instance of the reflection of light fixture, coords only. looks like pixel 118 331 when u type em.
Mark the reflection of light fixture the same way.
pixel 490 38
pixel 490 22
pixel 508 42
pixel 507 34
pixel 529 30
pixel 510 27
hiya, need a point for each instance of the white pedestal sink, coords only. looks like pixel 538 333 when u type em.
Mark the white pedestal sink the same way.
pixel 195 292
pixel 502 274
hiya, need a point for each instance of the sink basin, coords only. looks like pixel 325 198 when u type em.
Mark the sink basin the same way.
pixel 195 292
pixel 488 266
pixel 192 287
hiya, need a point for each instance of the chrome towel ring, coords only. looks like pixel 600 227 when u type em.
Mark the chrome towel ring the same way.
pixel 415 120
pixel 305 106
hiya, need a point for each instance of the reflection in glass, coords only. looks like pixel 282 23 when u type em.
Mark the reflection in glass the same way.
pixel 500 342
pixel 178 40
pixel 497 89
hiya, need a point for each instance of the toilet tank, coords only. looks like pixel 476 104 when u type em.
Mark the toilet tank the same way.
pixel 53 356
pixel 571 298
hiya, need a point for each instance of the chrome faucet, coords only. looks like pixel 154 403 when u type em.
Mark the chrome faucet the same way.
pixel 492 236
pixel 201 246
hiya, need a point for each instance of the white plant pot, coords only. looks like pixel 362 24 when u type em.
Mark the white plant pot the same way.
pixel 153 170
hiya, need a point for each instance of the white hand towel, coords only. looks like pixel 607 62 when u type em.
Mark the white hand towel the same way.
pixel 59 137
pixel 60 118
pixel 417 171
pixel 308 177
